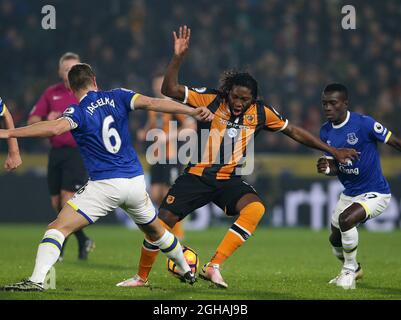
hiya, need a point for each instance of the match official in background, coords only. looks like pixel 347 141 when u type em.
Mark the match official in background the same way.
pixel 66 173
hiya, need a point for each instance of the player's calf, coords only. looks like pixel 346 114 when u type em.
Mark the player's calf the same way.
pixel 168 244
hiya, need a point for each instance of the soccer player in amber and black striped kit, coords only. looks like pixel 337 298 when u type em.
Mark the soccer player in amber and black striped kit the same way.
pixel 214 177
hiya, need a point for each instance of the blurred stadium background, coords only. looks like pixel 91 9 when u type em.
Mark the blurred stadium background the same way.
pixel 293 48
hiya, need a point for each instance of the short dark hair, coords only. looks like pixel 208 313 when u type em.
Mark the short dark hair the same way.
pixel 236 78
pixel 337 87
pixel 80 76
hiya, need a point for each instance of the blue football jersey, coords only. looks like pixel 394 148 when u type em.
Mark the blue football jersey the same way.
pixel 2 107
pixel 361 133
pixel 101 130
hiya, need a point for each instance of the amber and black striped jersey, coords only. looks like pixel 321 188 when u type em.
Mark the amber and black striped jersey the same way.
pixel 223 143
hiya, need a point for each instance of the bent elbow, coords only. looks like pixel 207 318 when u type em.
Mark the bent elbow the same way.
pixel 167 90
pixel 164 90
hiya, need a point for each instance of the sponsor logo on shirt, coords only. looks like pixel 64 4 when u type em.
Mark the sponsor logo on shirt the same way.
pixel 232 132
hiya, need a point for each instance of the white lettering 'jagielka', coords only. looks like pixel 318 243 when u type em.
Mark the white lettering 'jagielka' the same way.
pixel 99 103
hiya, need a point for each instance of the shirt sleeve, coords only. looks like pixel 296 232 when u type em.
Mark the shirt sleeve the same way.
pixel 274 120
pixel 128 98
pixel 74 116
pixel 3 107
pixel 199 97
pixel 42 107
pixel 376 131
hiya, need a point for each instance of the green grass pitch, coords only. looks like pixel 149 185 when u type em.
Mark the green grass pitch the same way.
pixel 284 264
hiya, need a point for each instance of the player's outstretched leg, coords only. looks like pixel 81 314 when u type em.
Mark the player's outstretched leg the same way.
pixel 240 231
pixel 148 257
pixel 161 238
pixel 49 249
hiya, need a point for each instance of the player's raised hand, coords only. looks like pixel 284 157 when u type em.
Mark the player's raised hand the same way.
pixel 345 155
pixel 181 41
pixel 202 114
pixel 13 161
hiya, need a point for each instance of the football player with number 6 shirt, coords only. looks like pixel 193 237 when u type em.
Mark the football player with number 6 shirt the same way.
pixel 367 193
pixel 66 172
pixel 99 124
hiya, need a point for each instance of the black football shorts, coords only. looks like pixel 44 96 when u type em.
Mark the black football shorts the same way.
pixel 190 192
pixel 65 170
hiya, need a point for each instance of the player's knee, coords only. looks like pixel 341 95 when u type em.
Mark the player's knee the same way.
pixel 168 218
pixel 345 221
pixel 65 196
pixel 256 210
pixel 251 215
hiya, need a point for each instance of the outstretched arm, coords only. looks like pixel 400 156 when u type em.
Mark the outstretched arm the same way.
pixel 170 87
pixel 13 158
pixel 304 137
pixel 42 129
pixel 394 142
pixel 169 106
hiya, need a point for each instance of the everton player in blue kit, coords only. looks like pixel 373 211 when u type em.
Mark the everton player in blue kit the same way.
pixel 367 193
pixel 99 125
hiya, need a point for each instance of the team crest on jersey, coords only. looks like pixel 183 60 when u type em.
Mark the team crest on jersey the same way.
pixel 250 119
pixel 200 90
pixel 352 139
pixel 170 199
pixel 232 132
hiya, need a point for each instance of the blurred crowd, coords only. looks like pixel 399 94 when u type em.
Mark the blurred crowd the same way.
pixel 293 48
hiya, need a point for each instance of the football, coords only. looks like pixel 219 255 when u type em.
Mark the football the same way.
pixel 192 259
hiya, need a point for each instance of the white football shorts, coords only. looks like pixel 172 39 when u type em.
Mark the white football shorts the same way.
pixel 374 204
pixel 99 198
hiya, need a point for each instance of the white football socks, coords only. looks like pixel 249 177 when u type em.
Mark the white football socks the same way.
pixel 48 253
pixel 349 240
pixel 171 247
